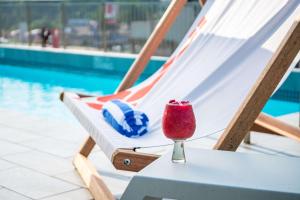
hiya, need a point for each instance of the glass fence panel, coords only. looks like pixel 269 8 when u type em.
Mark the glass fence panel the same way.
pixel 13 23
pixel 82 24
pixel 105 26
pixel 179 29
pixel 45 18
pixel 128 26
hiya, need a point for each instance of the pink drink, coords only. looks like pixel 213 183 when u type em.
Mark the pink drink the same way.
pixel 178 124
pixel 179 120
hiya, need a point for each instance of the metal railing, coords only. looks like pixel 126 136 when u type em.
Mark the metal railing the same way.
pixel 107 26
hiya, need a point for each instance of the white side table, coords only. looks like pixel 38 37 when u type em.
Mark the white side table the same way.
pixel 215 175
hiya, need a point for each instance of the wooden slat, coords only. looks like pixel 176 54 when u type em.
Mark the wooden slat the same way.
pixel 137 160
pixel 91 178
pixel 87 146
pixel 243 120
pixel 152 44
pixel 265 123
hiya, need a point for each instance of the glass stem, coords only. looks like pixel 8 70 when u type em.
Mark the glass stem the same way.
pixel 178 152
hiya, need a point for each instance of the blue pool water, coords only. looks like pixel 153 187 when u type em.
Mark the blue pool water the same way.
pixel 277 107
pixel 36 91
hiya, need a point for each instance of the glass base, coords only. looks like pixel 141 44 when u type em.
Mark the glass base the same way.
pixel 178 155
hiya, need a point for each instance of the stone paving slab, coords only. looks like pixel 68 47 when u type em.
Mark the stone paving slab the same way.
pixel 6 194
pixel 20 121
pixel 71 177
pixel 41 162
pixel 293 118
pixel 53 146
pixel 80 194
pixel 277 144
pixel 72 134
pixel 5 165
pixel 16 135
pixel 7 148
pixel 33 184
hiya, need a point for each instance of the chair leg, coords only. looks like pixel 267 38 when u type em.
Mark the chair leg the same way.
pixel 87 146
pixel 88 172
pixel 91 178
pixel 247 139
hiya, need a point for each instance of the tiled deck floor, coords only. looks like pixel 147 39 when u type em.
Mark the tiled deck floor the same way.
pixel 36 158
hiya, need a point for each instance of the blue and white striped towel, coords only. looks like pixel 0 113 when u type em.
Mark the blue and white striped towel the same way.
pixel 122 117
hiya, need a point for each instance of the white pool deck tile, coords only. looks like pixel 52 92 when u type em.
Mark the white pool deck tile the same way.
pixel 33 125
pixel 6 194
pixel 7 148
pixel 71 177
pixel 278 145
pixel 293 118
pixel 33 184
pixel 7 117
pixel 80 194
pixel 5 165
pixel 67 132
pixel 16 135
pixel 36 157
pixel 41 162
pixel 48 125
pixel 20 121
pixel 53 146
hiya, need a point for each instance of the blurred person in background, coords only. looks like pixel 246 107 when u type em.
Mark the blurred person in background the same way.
pixel 45 33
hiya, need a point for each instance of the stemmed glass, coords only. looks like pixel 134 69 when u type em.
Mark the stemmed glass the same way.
pixel 178 124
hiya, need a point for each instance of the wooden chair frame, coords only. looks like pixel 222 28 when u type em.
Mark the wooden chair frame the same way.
pixel 247 117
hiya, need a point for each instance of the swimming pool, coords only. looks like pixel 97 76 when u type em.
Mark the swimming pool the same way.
pixel 36 90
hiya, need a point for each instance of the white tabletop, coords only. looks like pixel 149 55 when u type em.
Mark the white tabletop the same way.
pixel 219 174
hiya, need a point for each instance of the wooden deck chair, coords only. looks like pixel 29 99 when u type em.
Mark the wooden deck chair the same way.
pixel 228 66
